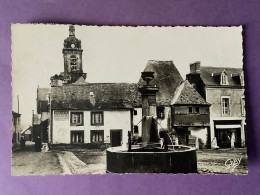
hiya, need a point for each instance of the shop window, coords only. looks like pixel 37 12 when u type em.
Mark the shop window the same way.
pixel 76 118
pixel 97 118
pixel 225 106
pixel 77 137
pixel 160 112
pixel 97 136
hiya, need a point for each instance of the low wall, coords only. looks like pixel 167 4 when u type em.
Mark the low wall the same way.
pixel 79 146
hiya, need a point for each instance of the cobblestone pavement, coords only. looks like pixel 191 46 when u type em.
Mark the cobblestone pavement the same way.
pixel 209 161
pixel 93 161
pixel 29 162
pixel 83 161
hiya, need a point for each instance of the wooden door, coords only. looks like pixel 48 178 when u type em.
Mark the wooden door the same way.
pixel 115 137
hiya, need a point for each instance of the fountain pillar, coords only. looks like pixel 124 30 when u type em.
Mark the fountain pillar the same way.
pixel 149 127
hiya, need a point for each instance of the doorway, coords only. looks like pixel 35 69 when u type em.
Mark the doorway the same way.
pixel 223 138
pixel 115 137
pixel 183 135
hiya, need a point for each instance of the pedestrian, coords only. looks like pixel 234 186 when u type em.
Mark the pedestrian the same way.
pixel 165 141
pixel 22 143
pixel 38 144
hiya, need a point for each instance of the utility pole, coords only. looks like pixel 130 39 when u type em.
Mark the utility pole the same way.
pixel 32 125
pixel 18 103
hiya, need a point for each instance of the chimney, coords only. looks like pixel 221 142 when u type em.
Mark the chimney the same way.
pixel 195 67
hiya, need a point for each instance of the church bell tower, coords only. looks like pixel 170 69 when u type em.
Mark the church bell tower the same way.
pixel 72 54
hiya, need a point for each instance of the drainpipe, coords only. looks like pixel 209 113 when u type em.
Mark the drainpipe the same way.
pixel 50 120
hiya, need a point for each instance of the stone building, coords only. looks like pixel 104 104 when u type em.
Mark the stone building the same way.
pixel 223 88
pixel 97 113
pixel 190 115
pixel 41 118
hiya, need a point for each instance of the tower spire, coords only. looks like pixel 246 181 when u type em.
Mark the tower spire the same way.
pixel 72 30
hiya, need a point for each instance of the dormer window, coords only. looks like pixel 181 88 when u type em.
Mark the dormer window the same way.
pixel 239 78
pixel 223 79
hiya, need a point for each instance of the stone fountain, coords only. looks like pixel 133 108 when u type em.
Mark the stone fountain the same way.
pixel 150 157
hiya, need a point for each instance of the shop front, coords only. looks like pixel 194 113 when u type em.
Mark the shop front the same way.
pixel 228 134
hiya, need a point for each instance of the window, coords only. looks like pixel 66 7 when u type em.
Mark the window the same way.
pixel 243 104
pixel 135 112
pixel 97 118
pixel 76 118
pixel 160 112
pixel 223 79
pixel 77 137
pixel 225 105
pixel 97 136
pixel 193 110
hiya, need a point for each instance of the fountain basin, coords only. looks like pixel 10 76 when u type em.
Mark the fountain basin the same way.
pixel 178 159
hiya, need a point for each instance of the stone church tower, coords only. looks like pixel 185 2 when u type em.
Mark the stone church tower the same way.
pixel 72 54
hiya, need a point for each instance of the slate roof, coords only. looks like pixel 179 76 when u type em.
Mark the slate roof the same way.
pixel 42 93
pixel 105 96
pixel 209 80
pixel 28 127
pixel 80 81
pixel 186 94
pixel 166 77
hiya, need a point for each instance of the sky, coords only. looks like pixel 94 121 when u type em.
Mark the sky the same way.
pixel 113 54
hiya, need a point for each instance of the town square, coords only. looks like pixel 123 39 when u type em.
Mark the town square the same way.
pixel 171 119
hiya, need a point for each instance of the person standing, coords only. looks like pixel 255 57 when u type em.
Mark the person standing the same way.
pixel 22 143
pixel 38 144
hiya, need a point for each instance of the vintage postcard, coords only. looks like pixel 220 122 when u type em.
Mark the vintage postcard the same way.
pixel 110 99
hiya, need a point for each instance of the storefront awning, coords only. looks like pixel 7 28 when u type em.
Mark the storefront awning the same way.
pixel 228 126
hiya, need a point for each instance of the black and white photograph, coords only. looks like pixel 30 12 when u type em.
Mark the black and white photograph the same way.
pixel 122 99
